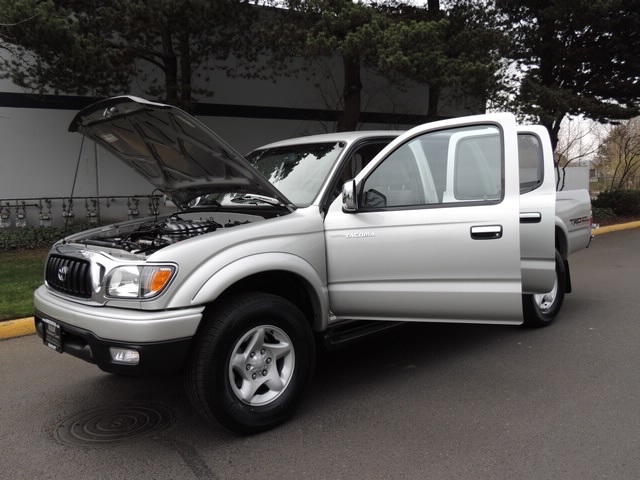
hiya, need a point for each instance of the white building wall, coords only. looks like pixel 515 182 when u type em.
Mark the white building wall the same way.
pixel 38 156
pixel 575 178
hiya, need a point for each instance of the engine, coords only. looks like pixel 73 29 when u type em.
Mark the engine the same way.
pixel 149 237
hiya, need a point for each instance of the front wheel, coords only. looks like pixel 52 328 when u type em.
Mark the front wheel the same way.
pixel 251 363
pixel 541 309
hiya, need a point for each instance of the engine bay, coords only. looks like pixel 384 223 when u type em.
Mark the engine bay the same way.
pixel 152 235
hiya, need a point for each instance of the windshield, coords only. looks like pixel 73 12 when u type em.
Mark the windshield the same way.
pixel 298 171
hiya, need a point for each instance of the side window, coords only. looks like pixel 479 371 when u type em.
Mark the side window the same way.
pixel 395 182
pixel 531 162
pixel 459 165
pixel 356 161
pixel 359 159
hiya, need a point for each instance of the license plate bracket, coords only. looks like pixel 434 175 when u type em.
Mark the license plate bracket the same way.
pixel 52 334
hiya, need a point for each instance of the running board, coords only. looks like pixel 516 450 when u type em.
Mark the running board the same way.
pixel 353 330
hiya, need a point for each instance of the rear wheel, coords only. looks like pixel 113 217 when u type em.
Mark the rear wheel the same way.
pixel 251 363
pixel 541 309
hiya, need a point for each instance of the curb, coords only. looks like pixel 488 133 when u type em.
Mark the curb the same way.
pixel 616 228
pixel 17 328
pixel 26 326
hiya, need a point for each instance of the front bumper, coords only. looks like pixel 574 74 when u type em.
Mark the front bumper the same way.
pixel 162 338
pixel 155 358
pixel 120 324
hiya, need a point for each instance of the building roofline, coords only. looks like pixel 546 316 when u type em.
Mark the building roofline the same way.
pixel 77 102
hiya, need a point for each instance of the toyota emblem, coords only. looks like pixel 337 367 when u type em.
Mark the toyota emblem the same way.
pixel 62 273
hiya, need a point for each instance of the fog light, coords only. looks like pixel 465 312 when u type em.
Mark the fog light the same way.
pixel 124 356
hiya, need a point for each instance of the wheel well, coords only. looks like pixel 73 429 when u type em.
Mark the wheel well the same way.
pixel 561 243
pixel 284 284
pixel 562 246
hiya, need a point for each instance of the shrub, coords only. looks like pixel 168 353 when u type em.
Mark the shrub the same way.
pixel 34 237
pixel 603 215
pixel 623 203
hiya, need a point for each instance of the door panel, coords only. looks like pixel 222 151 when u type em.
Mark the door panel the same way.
pixel 436 234
pixel 537 211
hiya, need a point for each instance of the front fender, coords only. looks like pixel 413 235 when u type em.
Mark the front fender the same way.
pixel 240 269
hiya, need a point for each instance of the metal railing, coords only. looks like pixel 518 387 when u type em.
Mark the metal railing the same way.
pixel 65 211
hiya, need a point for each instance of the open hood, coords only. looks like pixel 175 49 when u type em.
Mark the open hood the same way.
pixel 178 154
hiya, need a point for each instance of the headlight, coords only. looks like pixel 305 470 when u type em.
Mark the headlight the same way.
pixel 134 281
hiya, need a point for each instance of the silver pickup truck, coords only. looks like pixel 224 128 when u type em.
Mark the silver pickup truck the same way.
pixel 330 236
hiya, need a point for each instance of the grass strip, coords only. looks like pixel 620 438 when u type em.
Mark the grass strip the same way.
pixel 21 272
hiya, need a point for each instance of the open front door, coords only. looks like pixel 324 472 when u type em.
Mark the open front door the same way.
pixel 435 235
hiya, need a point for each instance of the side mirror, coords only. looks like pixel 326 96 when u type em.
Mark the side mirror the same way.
pixel 349 202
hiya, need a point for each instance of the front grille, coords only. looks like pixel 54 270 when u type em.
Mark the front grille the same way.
pixel 69 275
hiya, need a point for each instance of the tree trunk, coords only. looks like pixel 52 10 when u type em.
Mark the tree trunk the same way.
pixel 433 12
pixel 433 9
pixel 434 99
pixel 350 115
pixel 553 127
pixel 170 61
pixel 186 101
pixel 553 111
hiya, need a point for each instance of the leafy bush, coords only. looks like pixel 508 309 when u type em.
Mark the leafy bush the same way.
pixel 35 237
pixel 604 216
pixel 623 203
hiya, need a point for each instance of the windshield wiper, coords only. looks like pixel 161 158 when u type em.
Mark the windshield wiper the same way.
pixel 254 198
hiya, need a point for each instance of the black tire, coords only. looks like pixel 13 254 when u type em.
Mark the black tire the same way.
pixel 251 362
pixel 541 310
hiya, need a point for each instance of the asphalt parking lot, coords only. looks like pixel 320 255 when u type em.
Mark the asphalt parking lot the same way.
pixel 420 402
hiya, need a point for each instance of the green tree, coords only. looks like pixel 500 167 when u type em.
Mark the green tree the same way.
pixel 54 51
pixel 576 57
pixel 452 48
pixel 455 49
pixel 95 47
pixel 314 29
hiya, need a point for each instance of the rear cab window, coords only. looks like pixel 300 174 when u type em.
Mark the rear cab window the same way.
pixel 531 162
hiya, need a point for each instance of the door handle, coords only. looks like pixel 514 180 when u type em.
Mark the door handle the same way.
pixel 486 232
pixel 530 217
